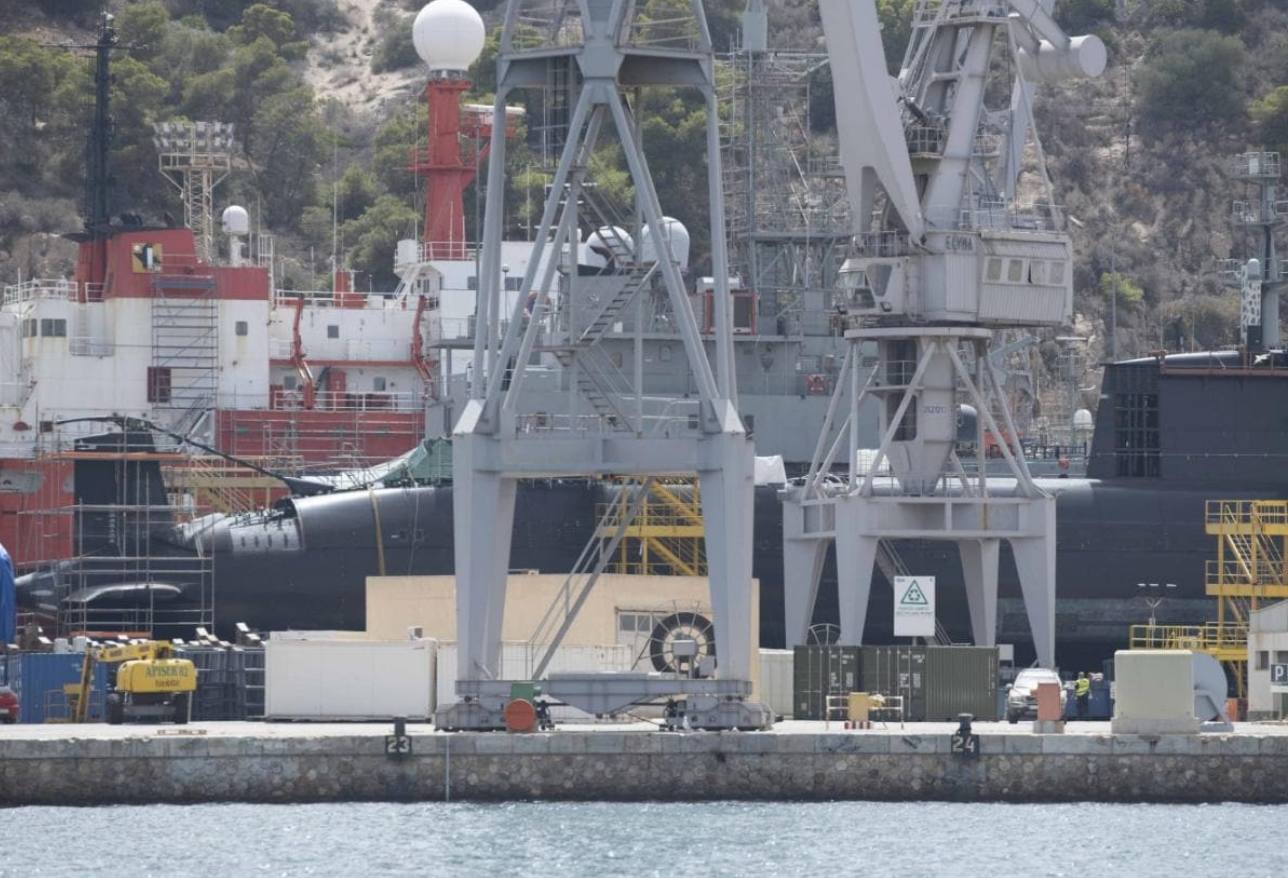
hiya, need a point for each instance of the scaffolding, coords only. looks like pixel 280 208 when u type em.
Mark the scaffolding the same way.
pixel 665 536
pixel 788 213
pixel 125 576
pixel 1248 572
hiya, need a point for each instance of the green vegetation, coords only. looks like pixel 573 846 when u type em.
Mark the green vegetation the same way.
pixel 1271 115
pixel 1129 292
pixel 1191 77
pixel 1138 156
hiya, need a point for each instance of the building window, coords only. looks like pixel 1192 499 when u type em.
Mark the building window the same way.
pixel 1136 434
pixel 1015 271
pixel 1263 659
pixel 994 272
pixel 630 623
pixel 53 328
pixel 1035 271
pixel 288 382
pixel 513 284
pixel 472 282
pixel 31 327
pixel 1055 273
pixel 1281 656
pixel 241 327
pixel 333 330
pixel 378 384
pixel 158 384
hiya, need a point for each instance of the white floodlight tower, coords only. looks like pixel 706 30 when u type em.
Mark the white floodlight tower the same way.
pixel 611 425
pixel 196 157
pixel 951 243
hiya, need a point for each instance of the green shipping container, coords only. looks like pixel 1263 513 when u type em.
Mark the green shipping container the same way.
pixel 820 671
pixel 961 679
pixel 897 670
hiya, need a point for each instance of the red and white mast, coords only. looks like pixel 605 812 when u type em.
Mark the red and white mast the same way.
pixel 449 37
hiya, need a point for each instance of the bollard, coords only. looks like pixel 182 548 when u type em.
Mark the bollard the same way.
pixel 965 743
pixel 398 744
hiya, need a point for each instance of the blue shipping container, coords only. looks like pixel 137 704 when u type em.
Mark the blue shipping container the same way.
pixel 33 675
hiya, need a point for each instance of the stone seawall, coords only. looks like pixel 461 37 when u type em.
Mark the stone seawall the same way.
pixel 612 765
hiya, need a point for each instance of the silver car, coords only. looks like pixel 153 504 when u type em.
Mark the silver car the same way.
pixel 1022 699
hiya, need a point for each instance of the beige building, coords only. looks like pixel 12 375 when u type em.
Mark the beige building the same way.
pixel 621 610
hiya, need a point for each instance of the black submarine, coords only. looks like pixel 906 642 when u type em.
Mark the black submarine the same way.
pixel 1172 433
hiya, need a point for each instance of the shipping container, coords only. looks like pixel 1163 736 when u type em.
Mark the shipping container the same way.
pixel 776 681
pixel 349 679
pixel 961 679
pixel 820 671
pixel 899 671
pixel 516 663
pixel 38 678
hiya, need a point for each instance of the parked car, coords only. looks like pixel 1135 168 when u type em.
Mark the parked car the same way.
pixel 8 705
pixel 1022 699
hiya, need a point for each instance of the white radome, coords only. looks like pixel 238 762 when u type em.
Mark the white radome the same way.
pixel 236 221
pixel 448 34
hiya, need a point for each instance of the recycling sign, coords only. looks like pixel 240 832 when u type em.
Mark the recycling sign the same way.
pixel 914 606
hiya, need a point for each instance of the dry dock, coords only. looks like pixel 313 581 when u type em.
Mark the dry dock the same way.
pixel 258 762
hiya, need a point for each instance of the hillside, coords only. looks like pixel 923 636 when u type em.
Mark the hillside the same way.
pixel 324 97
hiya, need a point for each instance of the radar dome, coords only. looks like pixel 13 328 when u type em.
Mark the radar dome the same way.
pixel 236 221
pixel 606 243
pixel 676 237
pixel 1082 420
pixel 448 34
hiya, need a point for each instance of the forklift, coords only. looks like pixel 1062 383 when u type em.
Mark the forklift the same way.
pixel 151 684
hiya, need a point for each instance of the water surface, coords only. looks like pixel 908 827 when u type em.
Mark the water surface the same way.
pixel 598 839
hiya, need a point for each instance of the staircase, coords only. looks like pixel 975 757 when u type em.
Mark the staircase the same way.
pixel 590 565
pixel 185 346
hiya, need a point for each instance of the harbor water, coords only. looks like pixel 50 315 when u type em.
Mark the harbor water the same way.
pixel 594 839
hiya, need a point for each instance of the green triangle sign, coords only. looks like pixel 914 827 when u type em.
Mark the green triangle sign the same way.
pixel 914 597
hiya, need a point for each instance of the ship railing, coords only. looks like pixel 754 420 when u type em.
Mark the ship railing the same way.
pixel 332 299
pixel 181 264
pixel 349 401
pixel 1234 574
pixel 882 244
pixel 1257 164
pixel 42 288
pixel 447 251
pixel 674 418
pixel 1246 512
pixel 1257 213
pixel 1210 637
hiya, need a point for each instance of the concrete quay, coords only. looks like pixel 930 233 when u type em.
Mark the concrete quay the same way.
pixel 259 762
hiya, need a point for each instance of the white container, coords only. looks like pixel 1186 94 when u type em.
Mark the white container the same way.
pixel 515 666
pixel 349 679
pixel 1155 692
pixel 776 680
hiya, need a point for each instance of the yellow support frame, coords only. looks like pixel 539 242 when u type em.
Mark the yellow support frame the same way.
pixel 667 535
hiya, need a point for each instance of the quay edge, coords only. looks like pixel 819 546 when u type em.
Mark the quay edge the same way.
pixel 350 764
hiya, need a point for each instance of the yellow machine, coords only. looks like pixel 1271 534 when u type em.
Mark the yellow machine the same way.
pixel 151 684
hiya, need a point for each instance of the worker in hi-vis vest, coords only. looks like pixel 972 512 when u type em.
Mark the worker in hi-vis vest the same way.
pixel 1082 690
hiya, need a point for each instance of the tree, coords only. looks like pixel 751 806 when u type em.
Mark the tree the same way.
pixel 1271 115
pixel 263 22
pixel 895 17
pixel 29 76
pixel 142 27
pixel 1081 16
pixel 286 152
pixel 1189 77
pixel 372 238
